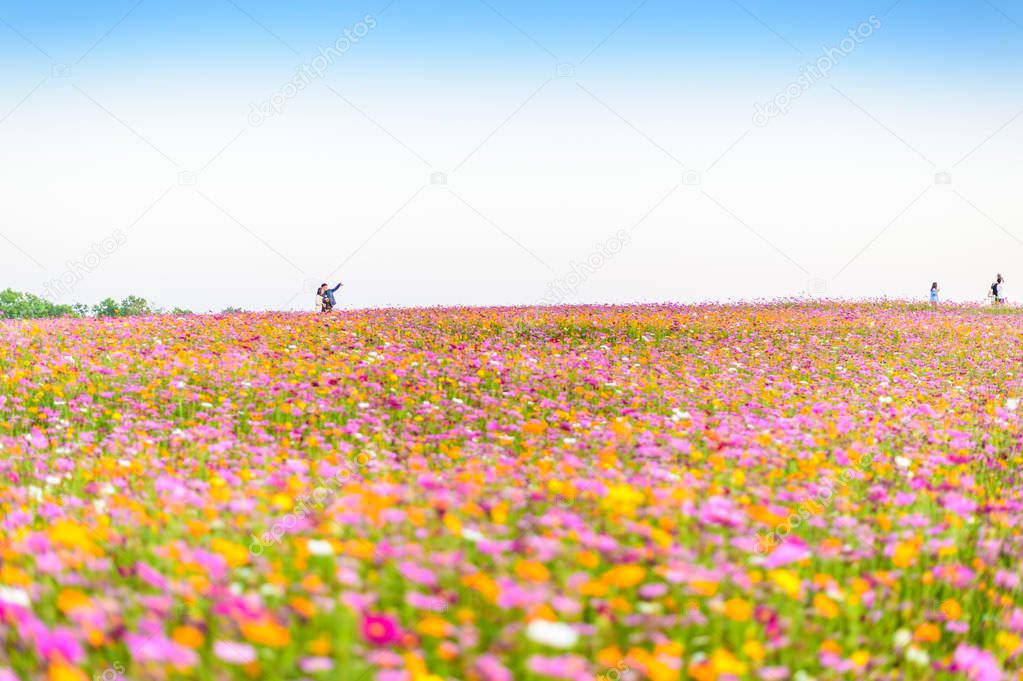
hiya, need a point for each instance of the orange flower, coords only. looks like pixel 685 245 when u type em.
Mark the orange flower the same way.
pixel 303 606
pixel 320 646
pixel 71 600
pixel 434 627
pixel 704 587
pixel 904 555
pixel 588 559
pixel 535 427
pixel 825 607
pixel 484 584
pixel 951 609
pixel 624 576
pixel 188 636
pixel 927 632
pixel 831 646
pixel 236 555
pixel 266 632
pixel 59 671
pixel 532 571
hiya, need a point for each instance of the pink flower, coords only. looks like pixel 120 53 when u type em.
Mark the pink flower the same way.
pixel 380 630
pixel 417 574
pixel 234 652
pixel 790 552
pixel 491 669
pixel 311 665
pixel 976 664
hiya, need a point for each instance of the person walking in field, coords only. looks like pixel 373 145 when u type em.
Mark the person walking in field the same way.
pixel 934 293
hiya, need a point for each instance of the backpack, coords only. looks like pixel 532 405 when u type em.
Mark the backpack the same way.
pixel 994 289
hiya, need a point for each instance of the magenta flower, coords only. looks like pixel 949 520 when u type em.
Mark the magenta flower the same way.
pixel 380 630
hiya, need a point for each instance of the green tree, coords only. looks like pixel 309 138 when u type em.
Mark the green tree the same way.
pixel 106 308
pixel 134 306
pixel 18 305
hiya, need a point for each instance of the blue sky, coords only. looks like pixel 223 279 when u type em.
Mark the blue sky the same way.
pixel 964 35
pixel 106 110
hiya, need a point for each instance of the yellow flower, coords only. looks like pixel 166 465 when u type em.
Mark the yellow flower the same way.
pixel 724 662
pixel 1008 641
pixel 860 658
pixel 787 581
pixel 737 609
pixel 73 535
pixel 754 651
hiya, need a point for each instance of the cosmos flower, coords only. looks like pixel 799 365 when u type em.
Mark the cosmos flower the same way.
pixel 380 630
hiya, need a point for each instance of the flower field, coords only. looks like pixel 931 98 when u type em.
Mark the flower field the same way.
pixel 786 491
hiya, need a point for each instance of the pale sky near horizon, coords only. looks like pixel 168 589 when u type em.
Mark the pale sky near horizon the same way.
pixel 483 151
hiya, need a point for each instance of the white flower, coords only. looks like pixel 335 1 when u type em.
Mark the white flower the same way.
pixel 14 596
pixel 1012 404
pixel 902 462
pixel 884 399
pixel 319 547
pixel 553 634
pixel 917 656
pixel 902 638
pixel 472 535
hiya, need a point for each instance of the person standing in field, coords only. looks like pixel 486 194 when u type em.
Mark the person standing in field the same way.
pixel 319 298
pixel 326 297
pixel 934 293
pixel 997 293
